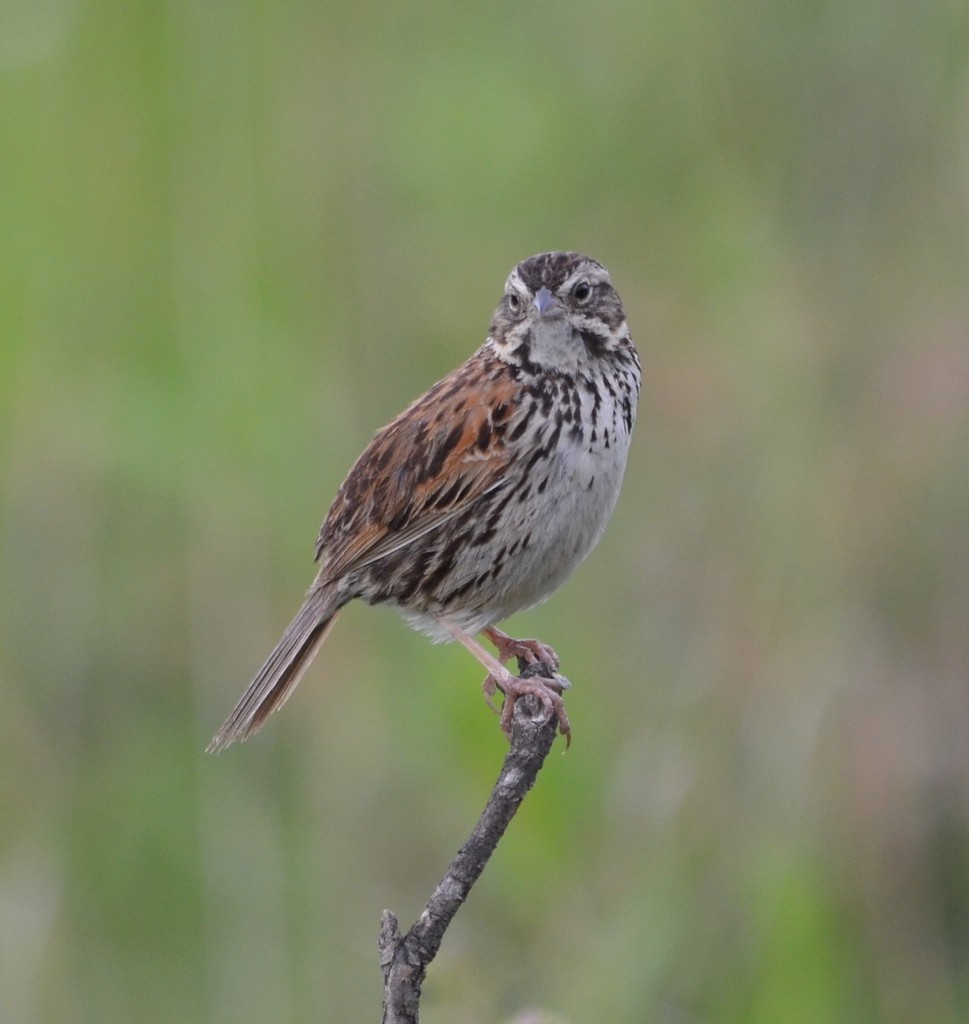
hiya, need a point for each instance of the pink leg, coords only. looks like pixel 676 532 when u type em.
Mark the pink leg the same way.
pixel 549 692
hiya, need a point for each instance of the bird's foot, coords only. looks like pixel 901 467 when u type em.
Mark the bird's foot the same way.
pixel 539 678
pixel 529 651
pixel 547 690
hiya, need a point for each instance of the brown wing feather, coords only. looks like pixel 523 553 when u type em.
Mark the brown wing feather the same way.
pixel 438 456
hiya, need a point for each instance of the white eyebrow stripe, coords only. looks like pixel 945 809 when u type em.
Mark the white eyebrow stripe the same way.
pixel 516 284
pixel 590 271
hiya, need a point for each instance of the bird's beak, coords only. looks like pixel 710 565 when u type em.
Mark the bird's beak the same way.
pixel 544 301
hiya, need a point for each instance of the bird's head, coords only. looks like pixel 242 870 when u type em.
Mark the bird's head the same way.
pixel 559 313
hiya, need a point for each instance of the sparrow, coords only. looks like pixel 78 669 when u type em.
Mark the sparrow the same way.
pixel 483 496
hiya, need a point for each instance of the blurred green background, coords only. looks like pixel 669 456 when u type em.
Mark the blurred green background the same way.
pixel 237 238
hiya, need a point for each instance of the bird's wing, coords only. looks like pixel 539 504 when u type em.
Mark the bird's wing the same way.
pixel 438 457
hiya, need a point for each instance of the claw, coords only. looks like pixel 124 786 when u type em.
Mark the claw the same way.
pixel 548 691
pixel 489 688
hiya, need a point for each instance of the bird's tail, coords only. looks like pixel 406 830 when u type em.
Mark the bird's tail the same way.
pixel 283 669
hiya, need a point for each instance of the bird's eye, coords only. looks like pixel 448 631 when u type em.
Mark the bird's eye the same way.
pixel 582 292
pixel 514 302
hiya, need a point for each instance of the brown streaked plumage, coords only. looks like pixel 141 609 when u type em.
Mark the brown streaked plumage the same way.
pixel 482 496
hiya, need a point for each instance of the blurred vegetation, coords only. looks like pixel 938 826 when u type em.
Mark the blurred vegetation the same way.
pixel 237 238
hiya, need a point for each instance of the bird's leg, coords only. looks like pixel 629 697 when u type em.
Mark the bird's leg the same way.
pixel 530 650
pixel 548 691
pixel 497 676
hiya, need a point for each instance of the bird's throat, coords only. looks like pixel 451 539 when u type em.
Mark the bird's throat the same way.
pixel 552 345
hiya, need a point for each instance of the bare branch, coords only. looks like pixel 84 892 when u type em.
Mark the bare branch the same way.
pixel 404 959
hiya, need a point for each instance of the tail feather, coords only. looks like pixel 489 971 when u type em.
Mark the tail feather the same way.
pixel 283 669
